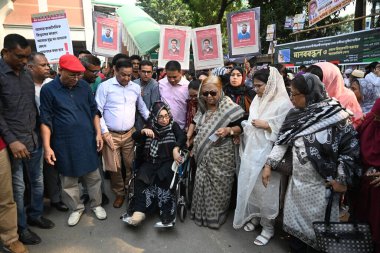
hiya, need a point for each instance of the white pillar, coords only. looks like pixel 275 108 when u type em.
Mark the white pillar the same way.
pixel 88 25
pixel 6 7
pixel 42 6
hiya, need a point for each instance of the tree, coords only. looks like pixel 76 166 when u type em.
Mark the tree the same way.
pixel 173 12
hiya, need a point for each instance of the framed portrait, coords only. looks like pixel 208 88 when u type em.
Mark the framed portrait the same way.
pixel 174 45
pixel 207 47
pixel 243 32
pixel 107 35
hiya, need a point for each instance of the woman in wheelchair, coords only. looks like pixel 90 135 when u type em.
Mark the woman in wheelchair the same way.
pixel 162 143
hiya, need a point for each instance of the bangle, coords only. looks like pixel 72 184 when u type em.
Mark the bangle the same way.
pixel 231 131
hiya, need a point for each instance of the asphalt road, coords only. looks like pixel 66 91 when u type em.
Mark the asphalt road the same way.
pixel 112 235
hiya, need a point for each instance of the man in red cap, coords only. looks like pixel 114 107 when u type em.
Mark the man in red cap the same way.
pixel 71 136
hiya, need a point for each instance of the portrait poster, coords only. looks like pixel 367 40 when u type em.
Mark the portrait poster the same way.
pixel 52 34
pixel 174 45
pixel 207 47
pixel 271 32
pixel 320 9
pixel 107 34
pixel 298 22
pixel 243 32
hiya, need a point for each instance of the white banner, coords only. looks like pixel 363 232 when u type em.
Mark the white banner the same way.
pixel 320 9
pixel 52 34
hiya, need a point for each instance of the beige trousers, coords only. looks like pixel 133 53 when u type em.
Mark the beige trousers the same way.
pixel 123 144
pixel 8 209
pixel 71 191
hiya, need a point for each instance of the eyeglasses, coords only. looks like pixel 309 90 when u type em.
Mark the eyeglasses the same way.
pixel 294 95
pixel 146 72
pixel 162 117
pixel 210 92
pixel 95 72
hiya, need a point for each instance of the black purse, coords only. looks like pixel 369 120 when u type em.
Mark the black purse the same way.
pixel 342 237
pixel 285 166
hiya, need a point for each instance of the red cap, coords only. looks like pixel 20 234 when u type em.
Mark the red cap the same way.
pixel 71 63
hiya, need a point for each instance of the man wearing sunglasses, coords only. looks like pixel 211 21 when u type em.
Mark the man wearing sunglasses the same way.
pixel 90 75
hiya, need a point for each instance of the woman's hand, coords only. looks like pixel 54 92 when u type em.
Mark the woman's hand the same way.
pixel 148 132
pixel 376 181
pixel 223 131
pixel 266 175
pixel 259 123
pixel 337 187
pixel 177 156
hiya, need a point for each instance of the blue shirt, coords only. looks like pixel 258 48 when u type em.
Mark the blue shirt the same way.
pixel 107 39
pixel 69 113
pixel 244 36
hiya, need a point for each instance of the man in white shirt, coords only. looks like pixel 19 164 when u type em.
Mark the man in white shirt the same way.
pixel 117 99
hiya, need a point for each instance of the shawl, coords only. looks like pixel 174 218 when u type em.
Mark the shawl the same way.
pixel 226 112
pixel 334 83
pixel 369 133
pixel 368 92
pixel 324 127
pixel 272 107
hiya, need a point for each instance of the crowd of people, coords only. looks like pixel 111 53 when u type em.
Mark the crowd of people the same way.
pixel 240 123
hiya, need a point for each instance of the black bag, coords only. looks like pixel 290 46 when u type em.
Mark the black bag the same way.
pixel 285 166
pixel 342 237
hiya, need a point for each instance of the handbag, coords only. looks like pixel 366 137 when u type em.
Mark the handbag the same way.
pixel 285 166
pixel 342 237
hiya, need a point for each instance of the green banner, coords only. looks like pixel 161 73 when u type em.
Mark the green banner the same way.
pixel 363 46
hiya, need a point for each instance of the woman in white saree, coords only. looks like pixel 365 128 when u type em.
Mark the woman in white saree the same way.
pixel 255 203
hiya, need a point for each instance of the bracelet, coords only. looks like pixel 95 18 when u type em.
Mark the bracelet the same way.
pixel 231 131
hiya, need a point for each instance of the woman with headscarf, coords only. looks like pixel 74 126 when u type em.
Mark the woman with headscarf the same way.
pixel 365 93
pixel 368 203
pixel 216 123
pixel 334 83
pixel 255 203
pixel 238 92
pixel 162 143
pixel 325 150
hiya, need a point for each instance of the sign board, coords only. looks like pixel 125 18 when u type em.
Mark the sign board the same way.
pixel 362 46
pixel 320 9
pixel 52 34
pixel 107 34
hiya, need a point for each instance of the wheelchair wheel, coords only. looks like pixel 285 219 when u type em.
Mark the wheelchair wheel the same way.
pixel 189 184
pixel 182 211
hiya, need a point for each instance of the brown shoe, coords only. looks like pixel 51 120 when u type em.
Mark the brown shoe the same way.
pixel 16 247
pixel 118 201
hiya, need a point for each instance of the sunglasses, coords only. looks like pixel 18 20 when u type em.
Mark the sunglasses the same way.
pixel 210 92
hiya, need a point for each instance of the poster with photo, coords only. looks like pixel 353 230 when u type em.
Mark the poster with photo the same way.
pixel 289 21
pixel 320 9
pixel 52 34
pixel 107 35
pixel 243 32
pixel 207 47
pixel 299 22
pixel 174 45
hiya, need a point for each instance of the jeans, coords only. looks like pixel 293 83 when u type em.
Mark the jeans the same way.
pixel 35 177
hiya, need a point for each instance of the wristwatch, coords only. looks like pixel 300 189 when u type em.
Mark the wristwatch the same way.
pixel 231 131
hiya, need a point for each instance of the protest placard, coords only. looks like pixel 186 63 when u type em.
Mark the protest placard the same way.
pixel 107 34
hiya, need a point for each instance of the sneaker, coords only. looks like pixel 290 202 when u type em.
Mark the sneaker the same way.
pixel 16 247
pixel 164 225
pixel 74 218
pixel 100 213
pixel 29 238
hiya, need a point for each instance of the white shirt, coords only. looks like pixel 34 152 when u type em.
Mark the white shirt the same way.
pixel 37 91
pixel 117 104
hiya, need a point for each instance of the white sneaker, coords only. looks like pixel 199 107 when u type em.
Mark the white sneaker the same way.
pixel 74 218
pixel 100 213
pixel 167 225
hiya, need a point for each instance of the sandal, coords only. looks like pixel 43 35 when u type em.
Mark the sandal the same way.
pixel 249 227
pixel 262 239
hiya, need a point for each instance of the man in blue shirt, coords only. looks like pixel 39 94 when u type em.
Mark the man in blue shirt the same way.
pixel 107 36
pixel 71 136
pixel 244 34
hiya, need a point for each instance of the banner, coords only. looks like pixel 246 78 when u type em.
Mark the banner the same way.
pixel 174 45
pixel 320 9
pixel 52 34
pixel 107 34
pixel 362 46
pixel 289 21
pixel 299 22
pixel 207 47
pixel 271 32
pixel 243 33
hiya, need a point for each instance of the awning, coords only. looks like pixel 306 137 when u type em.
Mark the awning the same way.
pixel 141 28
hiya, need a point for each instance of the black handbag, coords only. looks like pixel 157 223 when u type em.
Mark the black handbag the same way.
pixel 342 237
pixel 285 166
